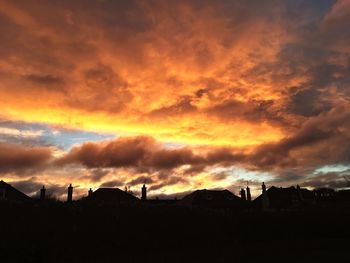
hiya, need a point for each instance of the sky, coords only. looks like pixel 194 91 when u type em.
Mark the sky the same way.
pixel 177 95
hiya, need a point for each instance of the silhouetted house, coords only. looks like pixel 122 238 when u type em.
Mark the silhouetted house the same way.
pixel 324 194
pixel 213 199
pixel 342 196
pixel 9 193
pixel 165 200
pixel 111 195
pixel 278 198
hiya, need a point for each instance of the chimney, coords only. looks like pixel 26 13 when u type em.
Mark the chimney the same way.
pixel 300 194
pixel 90 192
pixel 242 192
pixel 42 193
pixel 265 198
pixel 70 193
pixel 144 193
pixel 249 197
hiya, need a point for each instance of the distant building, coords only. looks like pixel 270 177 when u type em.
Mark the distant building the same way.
pixel 9 193
pixel 212 199
pixel 161 201
pixel 324 194
pixel 283 198
pixel 111 195
pixel 342 196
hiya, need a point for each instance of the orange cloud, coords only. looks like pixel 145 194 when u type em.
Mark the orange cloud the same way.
pixel 86 73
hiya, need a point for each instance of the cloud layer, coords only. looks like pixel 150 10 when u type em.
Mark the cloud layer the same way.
pixel 193 87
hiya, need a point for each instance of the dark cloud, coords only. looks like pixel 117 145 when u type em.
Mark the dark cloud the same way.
pixel 170 158
pixel 220 176
pixel 141 180
pixel 320 141
pixel 97 175
pixel 124 152
pixel 44 79
pixel 194 169
pixel 225 156
pixel 144 152
pixel 168 181
pixel 19 158
pixel 288 176
pixel 29 186
pixel 332 180
pixel 308 102
pixel 234 109
pixel 278 154
pixel 33 185
pixel 183 106
pixel 114 183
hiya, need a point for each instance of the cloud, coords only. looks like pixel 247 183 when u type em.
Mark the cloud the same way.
pixel 143 152
pixel 112 58
pixel 168 181
pixel 183 106
pixel 27 186
pixel 249 111
pixel 141 180
pixel 258 84
pixel 308 103
pixel 332 180
pixel 33 185
pixel 118 153
pixel 114 183
pixel 320 141
pixel 43 79
pixel 20 158
pixel 97 175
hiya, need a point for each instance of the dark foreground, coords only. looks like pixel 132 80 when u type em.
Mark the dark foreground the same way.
pixel 60 232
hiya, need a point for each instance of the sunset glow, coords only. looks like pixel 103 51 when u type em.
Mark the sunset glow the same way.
pixel 179 95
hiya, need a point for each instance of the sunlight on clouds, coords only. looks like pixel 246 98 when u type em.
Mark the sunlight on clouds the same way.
pixel 20 133
pixel 332 169
pixel 263 84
